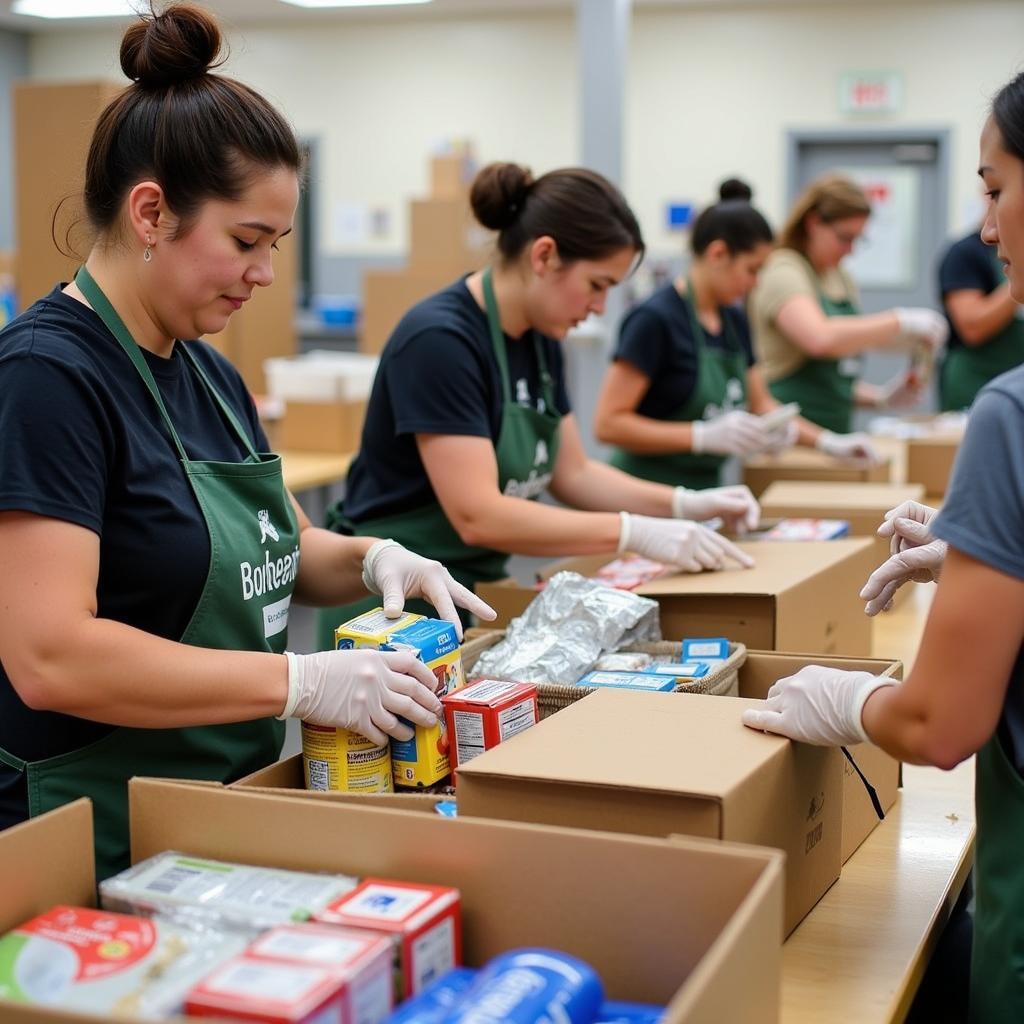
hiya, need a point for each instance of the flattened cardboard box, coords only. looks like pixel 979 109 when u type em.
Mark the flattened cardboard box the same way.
pixel 659 764
pixel 798 597
pixel 805 464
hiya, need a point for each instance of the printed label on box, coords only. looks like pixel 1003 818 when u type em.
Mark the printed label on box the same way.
pixel 433 954
pixel 291 944
pixel 516 718
pixel 486 690
pixel 469 735
pixel 387 903
pixel 248 979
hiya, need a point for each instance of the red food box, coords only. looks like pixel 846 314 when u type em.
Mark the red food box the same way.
pixel 423 921
pixel 486 713
pixel 270 991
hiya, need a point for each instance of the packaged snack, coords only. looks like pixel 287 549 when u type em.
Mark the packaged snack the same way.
pixel 486 713
pixel 629 680
pixel 233 894
pixel 423 920
pixel 631 571
pixel 807 529
pixel 623 661
pixel 113 965
pixel 682 670
pixel 340 760
pixel 370 630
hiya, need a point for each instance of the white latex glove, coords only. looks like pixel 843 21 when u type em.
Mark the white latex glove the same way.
pixel 396 573
pixel 915 555
pixel 679 542
pixel 364 691
pixel 736 505
pixel 781 438
pixel 902 390
pixel 847 446
pixel 818 705
pixel 923 323
pixel 735 433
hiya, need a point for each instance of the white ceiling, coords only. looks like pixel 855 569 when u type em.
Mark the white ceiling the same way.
pixel 251 12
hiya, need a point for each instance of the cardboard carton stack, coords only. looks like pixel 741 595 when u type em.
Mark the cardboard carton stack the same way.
pixel 444 242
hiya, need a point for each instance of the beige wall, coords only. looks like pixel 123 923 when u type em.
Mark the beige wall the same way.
pixel 712 91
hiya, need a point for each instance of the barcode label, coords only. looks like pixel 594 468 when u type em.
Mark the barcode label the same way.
pixel 319 774
pixel 173 879
pixel 469 735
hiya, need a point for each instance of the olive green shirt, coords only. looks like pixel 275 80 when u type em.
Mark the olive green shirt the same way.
pixel 786 273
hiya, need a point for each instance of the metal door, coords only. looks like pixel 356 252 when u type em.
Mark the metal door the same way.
pixel 905 174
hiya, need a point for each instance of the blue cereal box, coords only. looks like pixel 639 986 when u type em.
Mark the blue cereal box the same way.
pixel 629 680
pixel 423 760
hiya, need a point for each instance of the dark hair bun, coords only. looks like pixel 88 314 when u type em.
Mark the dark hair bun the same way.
pixel 180 44
pixel 735 188
pixel 499 193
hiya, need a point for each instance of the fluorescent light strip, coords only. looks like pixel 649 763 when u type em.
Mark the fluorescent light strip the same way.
pixel 353 3
pixel 75 8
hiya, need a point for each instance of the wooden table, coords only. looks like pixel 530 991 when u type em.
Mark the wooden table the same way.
pixel 861 953
pixel 306 470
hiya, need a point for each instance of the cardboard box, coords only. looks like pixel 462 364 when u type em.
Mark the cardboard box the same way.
pixel 389 294
pixel 691 768
pixel 451 177
pixel 53 125
pixel 763 668
pixel 444 235
pixel 862 505
pixel 685 922
pixel 322 426
pixel 808 464
pixel 799 597
pixel 930 461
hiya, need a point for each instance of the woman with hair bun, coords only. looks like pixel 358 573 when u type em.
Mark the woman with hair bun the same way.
pixel 469 416
pixel 149 550
pixel 808 329
pixel 684 391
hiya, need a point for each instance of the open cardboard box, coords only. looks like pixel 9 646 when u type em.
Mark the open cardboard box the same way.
pixel 798 597
pixel 807 464
pixel 930 461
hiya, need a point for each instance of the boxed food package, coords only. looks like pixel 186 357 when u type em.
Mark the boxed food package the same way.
pixel 422 760
pixel 358 989
pixel 114 965
pixel 423 920
pixel 224 894
pixel 486 713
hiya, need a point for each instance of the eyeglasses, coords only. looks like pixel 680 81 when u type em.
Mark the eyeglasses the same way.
pixel 845 237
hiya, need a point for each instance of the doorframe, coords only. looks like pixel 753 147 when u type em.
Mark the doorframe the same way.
pixel 941 138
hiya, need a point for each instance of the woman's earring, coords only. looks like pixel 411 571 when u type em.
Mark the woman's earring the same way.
pixel 148 254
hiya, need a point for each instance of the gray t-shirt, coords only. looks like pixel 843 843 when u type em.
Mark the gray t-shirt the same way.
pixel 983 514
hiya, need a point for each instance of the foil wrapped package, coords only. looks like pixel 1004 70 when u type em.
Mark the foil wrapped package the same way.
pixel 566 629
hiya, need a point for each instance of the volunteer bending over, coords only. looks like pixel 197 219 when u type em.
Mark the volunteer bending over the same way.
pixel 469 418
pixel 684 391
pixel 965 694
pixel 148 547
pixel 809 331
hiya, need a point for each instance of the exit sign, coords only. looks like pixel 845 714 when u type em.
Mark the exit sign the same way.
pixel 871 92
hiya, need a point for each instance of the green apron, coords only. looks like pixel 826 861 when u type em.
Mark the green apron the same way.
pixel 968 368
pixel 721 386
pixel 997 954
pixel 526 452
pixel 254 541
pixel 824 387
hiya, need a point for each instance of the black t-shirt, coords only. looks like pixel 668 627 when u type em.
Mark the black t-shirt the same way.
pixel 438 375
pixel 657 338
pixel 81 441
pixel 969 265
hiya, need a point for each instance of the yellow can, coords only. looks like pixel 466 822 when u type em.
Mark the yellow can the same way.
pixel 339 760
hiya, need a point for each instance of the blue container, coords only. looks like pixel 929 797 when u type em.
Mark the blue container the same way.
pixel 337 310
pixel 437 1000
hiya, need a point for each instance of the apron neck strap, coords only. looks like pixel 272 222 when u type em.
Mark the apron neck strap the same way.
pixel 112 321
pixel 498 344
pixel 700 337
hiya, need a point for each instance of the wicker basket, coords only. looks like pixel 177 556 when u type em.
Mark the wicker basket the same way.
pixel 721 681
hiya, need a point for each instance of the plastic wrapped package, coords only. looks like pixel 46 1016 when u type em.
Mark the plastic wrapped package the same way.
pixel 624 661
pixel 566 629
pixel 230 894
pixel 113 965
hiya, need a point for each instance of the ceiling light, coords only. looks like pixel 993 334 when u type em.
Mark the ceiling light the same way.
pixel 76 8
pixel 352 3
